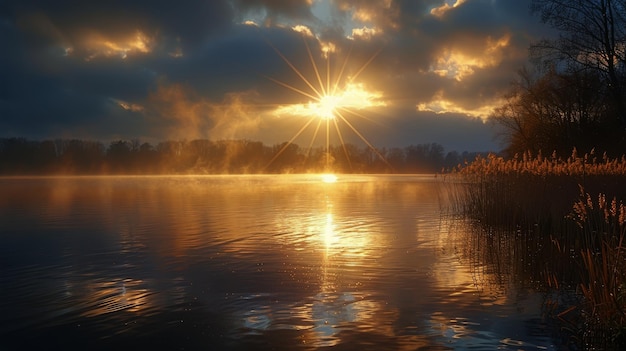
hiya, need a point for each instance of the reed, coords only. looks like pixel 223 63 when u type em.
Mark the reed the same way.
pixel 561 202
pixel 603 224
pixel 533 190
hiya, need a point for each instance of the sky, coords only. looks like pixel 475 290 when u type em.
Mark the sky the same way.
pixel 384 73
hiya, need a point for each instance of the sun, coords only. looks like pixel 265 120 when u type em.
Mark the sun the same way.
pixel 336 104
pixel 329 178
pixel 334 99
pixel 327 105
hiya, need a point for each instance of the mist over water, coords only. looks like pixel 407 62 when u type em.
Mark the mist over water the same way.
pixel 251 262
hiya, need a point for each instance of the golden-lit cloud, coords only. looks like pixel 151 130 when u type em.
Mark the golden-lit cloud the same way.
pixel 439 104
pixel 91 43
pixel 365 33
pixel 441 10
pixel 99 45
pixel 327 48
pixel 458 64
pixel 57 55
pixel 353 97
pixel 303 29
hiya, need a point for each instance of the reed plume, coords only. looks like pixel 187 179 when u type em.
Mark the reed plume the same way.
pixel 564 202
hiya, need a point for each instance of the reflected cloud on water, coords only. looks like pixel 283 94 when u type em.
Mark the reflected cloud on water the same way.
pixel 360 260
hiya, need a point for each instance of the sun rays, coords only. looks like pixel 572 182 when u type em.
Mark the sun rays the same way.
pixel 333 99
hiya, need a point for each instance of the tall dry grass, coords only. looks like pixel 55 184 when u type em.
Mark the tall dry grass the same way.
pixel 533 190
pixel 573 205
pixel 603 224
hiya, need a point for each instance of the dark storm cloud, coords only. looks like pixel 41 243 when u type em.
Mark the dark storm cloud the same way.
pixel 69 20
pixel 56 76
pixel 416 38
pixel 154 70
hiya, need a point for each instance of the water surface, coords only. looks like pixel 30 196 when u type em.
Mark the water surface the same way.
pixel 252 262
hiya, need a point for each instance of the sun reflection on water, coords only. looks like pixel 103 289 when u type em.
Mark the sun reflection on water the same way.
pixel 345 263
pixel 339 303
pixel 329 178
pixel 329 232
pixel 337 244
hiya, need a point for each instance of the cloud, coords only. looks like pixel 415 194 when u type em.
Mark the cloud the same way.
pixel 365 33
pixel 217 69
pixel 441 11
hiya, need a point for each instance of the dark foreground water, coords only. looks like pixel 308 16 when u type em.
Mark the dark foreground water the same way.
pixel 252 262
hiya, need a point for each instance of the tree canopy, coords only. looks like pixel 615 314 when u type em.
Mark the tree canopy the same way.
pixel 573 95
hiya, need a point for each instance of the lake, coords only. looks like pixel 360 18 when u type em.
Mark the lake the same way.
pixel 276 262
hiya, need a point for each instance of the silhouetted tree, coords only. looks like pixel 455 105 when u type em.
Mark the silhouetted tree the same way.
pixel 119 156
pixel 288 158
pixel 574 95
pixel 397 158
pixel 146 159
pixel 79 156
pixel 592 37
pixel 73 156
pixel 452 159
pixel 348 158
pixel 557 112
pixel 249 155
pixel 424 158
pixel 21 156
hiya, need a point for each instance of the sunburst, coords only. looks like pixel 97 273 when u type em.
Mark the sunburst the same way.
pixel 330 104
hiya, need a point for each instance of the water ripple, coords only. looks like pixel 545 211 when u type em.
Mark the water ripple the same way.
pixel 251 262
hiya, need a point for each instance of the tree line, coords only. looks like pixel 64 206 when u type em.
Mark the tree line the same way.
pixel 20 156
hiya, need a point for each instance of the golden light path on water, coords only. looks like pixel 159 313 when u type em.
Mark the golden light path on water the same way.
pixel 342 246
pixel 289 259
pixel 330 103
pixel 329 178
